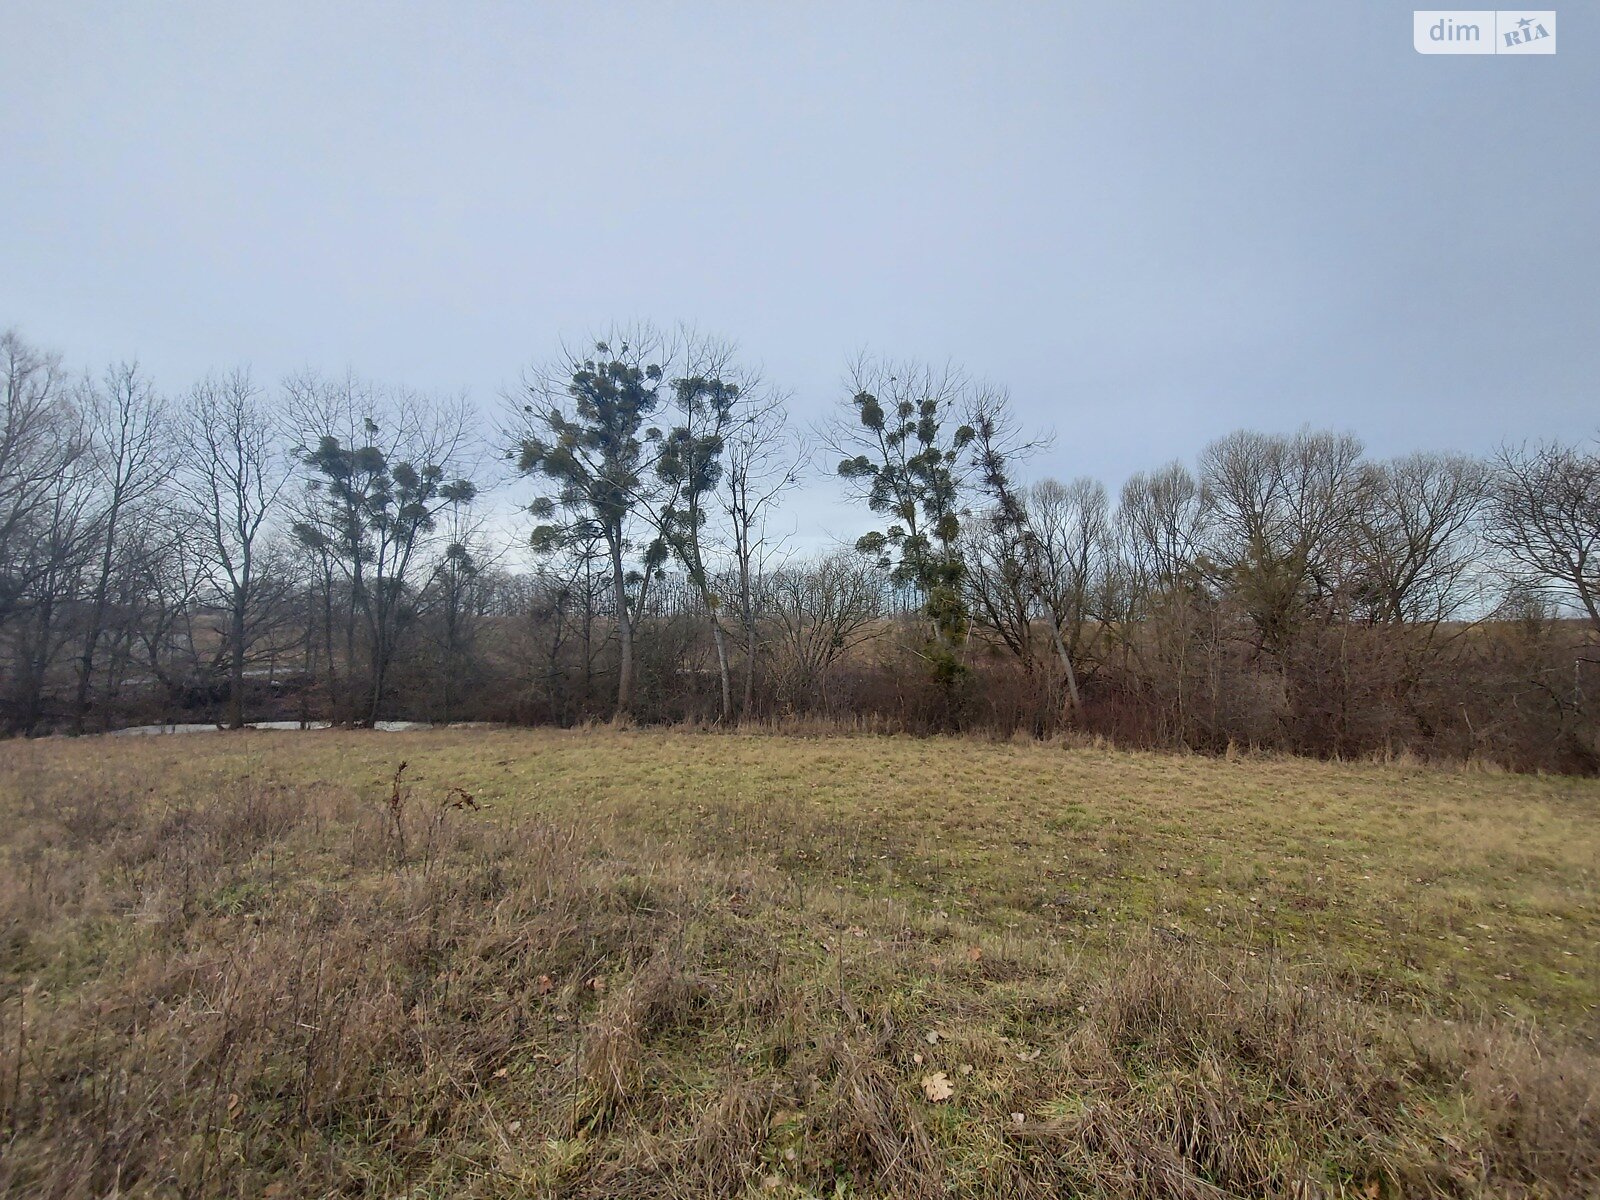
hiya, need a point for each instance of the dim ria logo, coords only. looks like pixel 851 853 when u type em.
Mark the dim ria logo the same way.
pixel 1487 31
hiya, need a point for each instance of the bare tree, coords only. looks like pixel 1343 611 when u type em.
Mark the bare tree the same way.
pixel 999 547
pixel 130 456
pixel 820 612
pixel 234 468
pixel 1416 536
pixel 559 607
pixel 1163 522
pixel 40 440
pixel 52 561
pixel 46 519
pixel 1000 583
pixel 164 572
pixel 1070 550
pixel 456 597
pixel 1544 516
pixel 761 462
pixel 1283 510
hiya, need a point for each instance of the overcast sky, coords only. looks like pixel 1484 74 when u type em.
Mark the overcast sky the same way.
pixel 1154 223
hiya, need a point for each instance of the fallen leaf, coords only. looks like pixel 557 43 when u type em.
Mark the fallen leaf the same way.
pixel 931 1037
pixel 965 1068
pixel 1017 1118
pixel 937 1087
pixel 974 953
pixel 545 986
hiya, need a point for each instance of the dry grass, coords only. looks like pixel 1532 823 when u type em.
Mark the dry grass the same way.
pixel 663 964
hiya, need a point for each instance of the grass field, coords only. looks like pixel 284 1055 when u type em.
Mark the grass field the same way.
pixel 691 964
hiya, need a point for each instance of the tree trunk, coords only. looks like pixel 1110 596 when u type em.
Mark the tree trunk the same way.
pixel 747 613
pixel 619 590
pixel 35 660
pixel 335 704
pixel 236 665
pixel 375 709
pixel 309 682
pixel 451 656
pixel 749 669
pixel 720 640
pixel 91 637
pixel 1066 662
pixel 347 694
pixel 378 627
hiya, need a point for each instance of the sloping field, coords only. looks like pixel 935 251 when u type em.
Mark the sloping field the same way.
pixel 664 963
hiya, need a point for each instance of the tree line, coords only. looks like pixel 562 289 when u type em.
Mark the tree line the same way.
pixel 320 549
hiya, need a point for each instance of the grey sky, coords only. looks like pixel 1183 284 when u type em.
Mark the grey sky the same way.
pixel 1154 223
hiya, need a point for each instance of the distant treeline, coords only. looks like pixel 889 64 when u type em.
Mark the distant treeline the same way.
pixel 320 549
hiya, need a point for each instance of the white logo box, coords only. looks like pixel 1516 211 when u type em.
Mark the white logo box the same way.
pixel 1483 31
